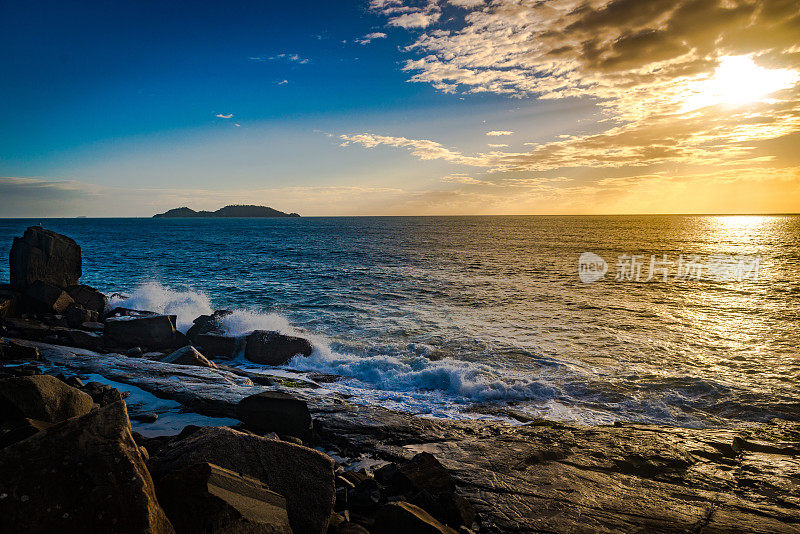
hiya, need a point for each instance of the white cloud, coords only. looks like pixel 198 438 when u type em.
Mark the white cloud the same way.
pixel 467 4
pixel 288 57
pixel 221 116
pixel 417 19
pixel 368 38
pixel 498 133
pixel 282 82
pixel 497 145
pixel 461 179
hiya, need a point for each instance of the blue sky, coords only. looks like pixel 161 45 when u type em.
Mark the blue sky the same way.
pixel 380 107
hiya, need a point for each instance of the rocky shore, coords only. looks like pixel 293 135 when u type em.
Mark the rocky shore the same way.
pixel 291 457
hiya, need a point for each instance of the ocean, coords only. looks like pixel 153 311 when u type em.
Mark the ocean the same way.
pixel 686 320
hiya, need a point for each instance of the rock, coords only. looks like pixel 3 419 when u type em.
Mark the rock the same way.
pixel 303 476
pixel 9 303
pixel 79 338
pixel 217 345
pixel 94 327
pixel 426 483
pixel 275 411
pixel 188 355
pixel 28 328
pixel 22 370
pixel 207 324
pixel 273 348
pixel 135 352
pixel 402 518
pixel 41 397
pixel 152 331
pixel 350 528
pixel 77 315
pixel 149 417
pixel 88 298
pixel 102 394
pixel 81 475
pixel 42 297
pixel 43 255
pixel 11 350
pixel 207 498
pixel 21 429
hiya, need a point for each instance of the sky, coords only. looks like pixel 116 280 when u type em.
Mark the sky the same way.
pixel 400 107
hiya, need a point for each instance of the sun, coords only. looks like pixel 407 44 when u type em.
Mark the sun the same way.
pixel 738 80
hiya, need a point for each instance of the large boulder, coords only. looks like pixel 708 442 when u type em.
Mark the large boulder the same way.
pixel 207 498
pixel 88 298
pixel 207 324
pixel 402 518
pixel 9 303
pixel 41 397
pixel 303 476
pixel 188 355
pixel 151 331
pixel 43 297
pixel 275 411
pixel 18 429
pixel 46 256
pixel 273 348
pixel 217 345
pixel 12 350
pixel 81 475
pixel 76 315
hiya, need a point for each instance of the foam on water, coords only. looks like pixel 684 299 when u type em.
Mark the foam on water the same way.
pixel 152 296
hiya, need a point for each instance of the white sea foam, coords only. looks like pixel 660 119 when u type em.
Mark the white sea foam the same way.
pixel 152 296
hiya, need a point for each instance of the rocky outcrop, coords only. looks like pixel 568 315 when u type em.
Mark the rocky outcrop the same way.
pixel 82 475
pixel 273 348
pixel 188 355
pixel 275 411
pixel 9 302
pixel 12 350
pixel 151 331
pixel 303 476
pixel 402 517
pixel 77 315
pixel 207 498
pixel 88 298
pixel 42 397
pixel 42 297
pixel 46 256
pixel 206 333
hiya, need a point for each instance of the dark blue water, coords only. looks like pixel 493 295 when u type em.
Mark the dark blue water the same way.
pixel 457 316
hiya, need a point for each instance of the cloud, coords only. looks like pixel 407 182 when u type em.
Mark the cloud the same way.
pixel 417 19
pixel 221 116
pixel 424 149
pixel 282 82
pixel 497 145
pixel 461 179
pixel 467 4
pixel 497 133
pixel 368 38
pixel 288 57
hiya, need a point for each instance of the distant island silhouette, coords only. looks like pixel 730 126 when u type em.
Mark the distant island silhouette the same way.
pixel 227 211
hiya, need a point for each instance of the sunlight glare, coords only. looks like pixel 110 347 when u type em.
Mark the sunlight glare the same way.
pixel 737 81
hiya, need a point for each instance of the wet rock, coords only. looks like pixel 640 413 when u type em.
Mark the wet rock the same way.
pixel 303 476
pixel 275 411
pixel 28 328
pixel 88 297
pixel 206 324
pixel 21 370
pixel 80 338
pixel 93 326
pixel 43 255
pixel 76 315
pixel 153 332
pixel 11 350
pixel 83 474
pixel 216 345
pixel 402 517
pixel 188 355
pixel 148 417
pixel 102 394
pixel 41 397
pixel 207 498
pixel 273 348
pixel 135 352
pixel 42 297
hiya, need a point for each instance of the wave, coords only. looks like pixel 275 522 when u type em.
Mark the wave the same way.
pixel 152 296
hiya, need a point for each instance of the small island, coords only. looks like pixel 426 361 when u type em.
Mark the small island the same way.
pixel 227 211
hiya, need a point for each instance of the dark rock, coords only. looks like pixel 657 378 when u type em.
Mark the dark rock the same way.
pixel 275 411
pixel 11 350
pixel 426 483
pixel 9 303
pixel 188 355
pixel 94 327
pixel 215 345
pixel 43 255
pixel 21 429
pixel 88 297
pixel 102 394
pixel 74 381
pixel 135 352
pixel 82 475
pixel 145 417
pixel 128 312
pixel 22 370
pixel 350 528
pixel 41 397
pixel 207 324
pixel 77 315
pixel 153 332
pixel 207 498
pixel 42 297
pixel 402 518
pixel 303 476
pixel 80 338
pixel 28 328
pixel 273 348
